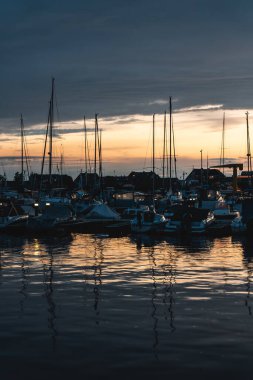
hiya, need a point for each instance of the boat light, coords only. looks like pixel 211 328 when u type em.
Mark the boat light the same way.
pixel 36 204
pixel 47 204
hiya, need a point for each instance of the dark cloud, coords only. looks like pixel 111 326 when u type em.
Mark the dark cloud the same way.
pixel 121 57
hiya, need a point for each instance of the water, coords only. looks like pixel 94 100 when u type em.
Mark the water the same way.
pixel 85 306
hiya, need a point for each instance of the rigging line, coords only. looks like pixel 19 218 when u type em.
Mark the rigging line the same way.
pixel 95 147
pixel 27 163
pixel 88 153
pixel 174 149
pixel 85 147
pixel 170 136
pixel 45 147
pixel 27 157
pixel 100 161
pixel 222 151
pixel 145 160
pixel 24 149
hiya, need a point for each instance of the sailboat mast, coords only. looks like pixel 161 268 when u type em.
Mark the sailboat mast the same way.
pixel 153 156
pixel 170 139
pixel 22 148
pixel 95 149
pixel 51 123
pixel 223 142
pixel 44 150
pixel 174 150
pixel 85 151
pixel 100 161
pixel 164 146
pixel 207 169
pixel 222 155
pixel 248 149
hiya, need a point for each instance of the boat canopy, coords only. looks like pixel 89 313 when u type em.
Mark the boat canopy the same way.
pixel 101 211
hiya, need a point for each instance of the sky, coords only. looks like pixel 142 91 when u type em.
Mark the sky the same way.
pixel 123 60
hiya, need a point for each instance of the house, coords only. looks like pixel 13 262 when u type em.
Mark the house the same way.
pixel 212 177
pixel 143 181
pixel 57 180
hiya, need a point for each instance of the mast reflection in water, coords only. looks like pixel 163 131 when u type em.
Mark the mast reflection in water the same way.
pixel 85 305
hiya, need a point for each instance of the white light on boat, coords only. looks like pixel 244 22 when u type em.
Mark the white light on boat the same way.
pixel 36 204
pixel 47 204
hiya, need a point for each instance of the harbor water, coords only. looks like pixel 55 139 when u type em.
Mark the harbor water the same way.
pixel 94 306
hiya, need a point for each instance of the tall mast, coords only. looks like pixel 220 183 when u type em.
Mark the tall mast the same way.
pixel 223 146
pixel 164 146
pixel 51 123
pixel 85 151
pixel 248 150
pixel 222 156
pixel 170 140
pixel 22 148
pixel 95 149
pixel 100 161
pixel 207 169
pixel 174 150
pixel 44 150
pixel 201 167
pixel 153 157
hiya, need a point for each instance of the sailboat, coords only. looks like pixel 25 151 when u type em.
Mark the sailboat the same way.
pixel 148 221
pixel 95 215
pixel 51 212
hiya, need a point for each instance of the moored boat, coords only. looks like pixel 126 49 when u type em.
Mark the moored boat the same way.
pixel 147 221
pixel 188 220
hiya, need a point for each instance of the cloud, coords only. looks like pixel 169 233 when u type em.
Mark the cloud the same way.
pixel 158 102
pixel 204 107
pixel 119 57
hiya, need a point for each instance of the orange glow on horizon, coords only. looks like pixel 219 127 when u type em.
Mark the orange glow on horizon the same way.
pixel 128 138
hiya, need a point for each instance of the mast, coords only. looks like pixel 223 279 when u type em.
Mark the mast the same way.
pixel 22 148
pixel 51 123
pixel 95 149
pixel 170 141
pixel 100 161
pixel 201 167
pixel 248 150
pixel 85 151
pixel 207 168
pixel 222 156
pixel 174 150
pixel 153 158
pixel 164 146
pixel 44 150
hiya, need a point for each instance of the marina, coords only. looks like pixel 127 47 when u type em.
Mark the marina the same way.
pixel 126 190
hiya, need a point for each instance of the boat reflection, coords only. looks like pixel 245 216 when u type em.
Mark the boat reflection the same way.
pixel 24 282
pixel 153 300
pixel 98 263
pixel 48 272
pixel 247 251
pixel 191 244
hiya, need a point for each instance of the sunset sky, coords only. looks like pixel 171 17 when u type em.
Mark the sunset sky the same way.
pixel 123 60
